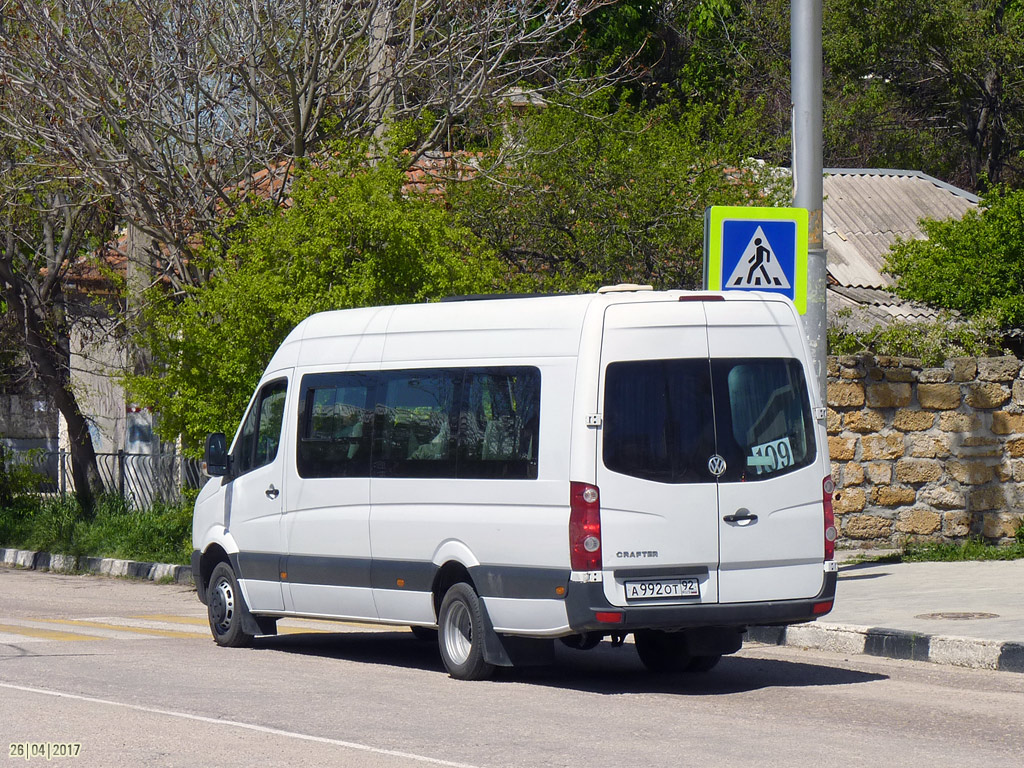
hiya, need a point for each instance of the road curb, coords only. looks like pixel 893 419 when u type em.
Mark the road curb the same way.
pixel 838 638
pixel 896 644
pixel 104 566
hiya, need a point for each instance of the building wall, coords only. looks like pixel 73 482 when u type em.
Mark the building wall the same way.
pixel 97 361
pixel 926 453
pixel 28 420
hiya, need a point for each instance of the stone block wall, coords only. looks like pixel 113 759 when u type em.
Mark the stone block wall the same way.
pixel 926 453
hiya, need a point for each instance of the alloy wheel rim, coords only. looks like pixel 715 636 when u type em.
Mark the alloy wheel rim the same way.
pixel 458 635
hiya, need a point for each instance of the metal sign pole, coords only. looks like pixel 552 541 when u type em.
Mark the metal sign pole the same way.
pixel 806 66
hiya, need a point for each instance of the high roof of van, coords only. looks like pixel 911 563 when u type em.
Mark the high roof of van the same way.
pixel 552 324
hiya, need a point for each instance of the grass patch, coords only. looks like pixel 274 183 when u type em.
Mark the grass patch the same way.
pixel 161 534
pixel 947 552
pixel 971 549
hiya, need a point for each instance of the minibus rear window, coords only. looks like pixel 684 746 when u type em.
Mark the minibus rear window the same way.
pixel 763 417
pixel 659 421
pixel 665 419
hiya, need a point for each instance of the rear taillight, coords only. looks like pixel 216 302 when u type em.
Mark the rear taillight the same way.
pixel 827 487
pixel 584 527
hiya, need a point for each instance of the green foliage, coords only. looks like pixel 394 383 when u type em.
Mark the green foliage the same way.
pixel 707 51
pixel 974 265
pixel 576 198
pixel 923 84
pixel 162 534
pixel 932 342
pixel 50 527
pixel 348 238
pixel 937 74
pixel 18 480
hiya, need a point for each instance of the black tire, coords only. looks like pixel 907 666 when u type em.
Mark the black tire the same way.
pixel 460 634
pixel 662 651
pixel 224 608
pixel 584 642
pixel 701 664
pixel 426 634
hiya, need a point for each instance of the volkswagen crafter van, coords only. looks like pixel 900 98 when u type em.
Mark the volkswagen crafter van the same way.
pixel 503 473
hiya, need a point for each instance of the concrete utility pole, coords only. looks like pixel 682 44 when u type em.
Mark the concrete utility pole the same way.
pixel 805 40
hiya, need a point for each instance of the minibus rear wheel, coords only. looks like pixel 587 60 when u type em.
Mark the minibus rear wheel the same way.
pixel 662 651
pixel 460 634
pixel 224 607
pixel 700 664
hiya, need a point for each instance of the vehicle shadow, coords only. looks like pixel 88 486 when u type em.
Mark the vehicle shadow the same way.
pixel 619 670
pixel 604 670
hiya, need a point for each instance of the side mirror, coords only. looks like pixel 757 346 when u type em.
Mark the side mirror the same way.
pixel 215 456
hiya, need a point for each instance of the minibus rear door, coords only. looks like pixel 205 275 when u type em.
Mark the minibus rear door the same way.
pixel 658 496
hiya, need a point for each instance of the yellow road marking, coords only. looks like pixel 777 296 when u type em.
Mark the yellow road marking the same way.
pixel 196 620
pixel 290 629
pixel 123 628
pixel 44 634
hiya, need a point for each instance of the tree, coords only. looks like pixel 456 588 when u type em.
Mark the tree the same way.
pixel 928 84
pixel 939 83
pixel 974 265
pixel 700 51
pixel 168 105
pixel 48 227
pixel 176 112
pixel 573 199
pixel 348 238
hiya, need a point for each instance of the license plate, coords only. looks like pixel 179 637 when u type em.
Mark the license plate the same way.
pixel 654 589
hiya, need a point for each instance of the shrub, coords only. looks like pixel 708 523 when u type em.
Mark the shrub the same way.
pixel 160 534
pixel 933 343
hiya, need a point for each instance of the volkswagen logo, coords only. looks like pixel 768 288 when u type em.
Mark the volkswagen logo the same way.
pixel 716 465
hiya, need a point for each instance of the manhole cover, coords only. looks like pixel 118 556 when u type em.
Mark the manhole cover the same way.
pixel 958 615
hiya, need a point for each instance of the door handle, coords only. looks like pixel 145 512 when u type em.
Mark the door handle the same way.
pixel 272 492
pixel 743 516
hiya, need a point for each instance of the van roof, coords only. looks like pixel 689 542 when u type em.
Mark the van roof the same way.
pixel 552 315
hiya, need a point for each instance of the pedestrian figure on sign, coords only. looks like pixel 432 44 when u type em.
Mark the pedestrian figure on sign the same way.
pixel 761 256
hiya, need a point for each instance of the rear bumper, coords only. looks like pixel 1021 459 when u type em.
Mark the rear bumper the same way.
pixel 584 601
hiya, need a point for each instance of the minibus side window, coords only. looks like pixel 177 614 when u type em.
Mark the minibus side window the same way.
pixel 416 437
pixel 499 422
pixel 335 425
pixel 261 431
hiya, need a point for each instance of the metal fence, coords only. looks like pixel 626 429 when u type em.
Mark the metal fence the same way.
pixel 139 478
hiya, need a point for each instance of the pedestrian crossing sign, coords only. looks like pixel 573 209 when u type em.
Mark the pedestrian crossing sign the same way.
pixel 757 249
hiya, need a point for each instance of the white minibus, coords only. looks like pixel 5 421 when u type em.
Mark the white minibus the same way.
pixel 502 473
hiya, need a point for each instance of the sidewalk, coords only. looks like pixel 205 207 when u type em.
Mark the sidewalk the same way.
pixel 966 614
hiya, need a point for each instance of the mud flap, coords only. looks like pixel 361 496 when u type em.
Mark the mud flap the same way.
pixel 258 625
pixel 513 651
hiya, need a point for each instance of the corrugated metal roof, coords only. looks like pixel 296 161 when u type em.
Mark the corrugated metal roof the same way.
pixel 866 210
pixel 872 306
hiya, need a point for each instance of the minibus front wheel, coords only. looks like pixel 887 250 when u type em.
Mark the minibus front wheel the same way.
pixel 225 608
pixel 461 634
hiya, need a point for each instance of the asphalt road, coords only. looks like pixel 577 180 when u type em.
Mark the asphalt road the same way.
pixel 127 671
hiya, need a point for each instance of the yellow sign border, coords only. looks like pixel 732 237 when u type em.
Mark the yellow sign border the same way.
pixel 714 220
